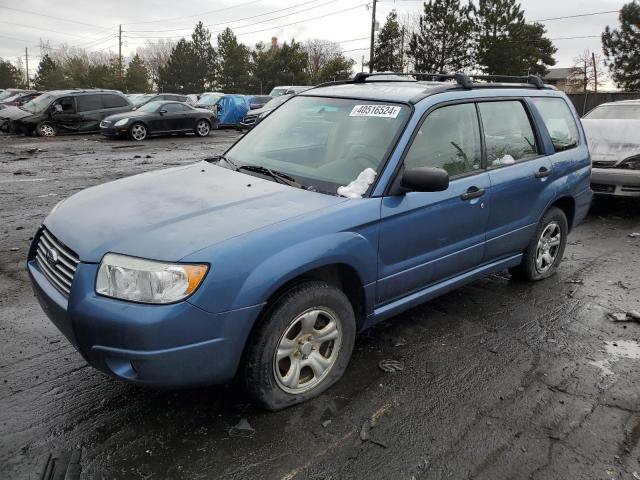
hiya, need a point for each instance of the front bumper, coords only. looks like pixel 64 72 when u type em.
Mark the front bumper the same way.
pixel 615 181
pixel 168 346
pixel 114 131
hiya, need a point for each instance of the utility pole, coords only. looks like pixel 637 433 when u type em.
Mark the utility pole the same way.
pixel 373 33
pixel 402 51
pixel 120 51
pixel 362 64
pixel 26 58
pixel 595 72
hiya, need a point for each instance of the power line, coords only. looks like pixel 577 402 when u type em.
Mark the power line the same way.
pixel 575 16
pixel 240 19
pixel 196 15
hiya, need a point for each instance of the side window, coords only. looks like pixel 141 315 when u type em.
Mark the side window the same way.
pixel 63 105
pixel 113 101
pixel 559 122
pixel 173 108
pixel 87 103
pixel 508 134
pixel 449 138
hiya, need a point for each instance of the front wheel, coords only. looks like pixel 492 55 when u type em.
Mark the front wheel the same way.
pixel 46 129
pixel 302 346
pixel 203 128
pixel 138 131
pixel 546 248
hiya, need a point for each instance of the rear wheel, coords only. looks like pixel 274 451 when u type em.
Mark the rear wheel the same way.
pixel 46 129
pixel 203 128
pixel 302 346
pixel 138 131
pixel 544 252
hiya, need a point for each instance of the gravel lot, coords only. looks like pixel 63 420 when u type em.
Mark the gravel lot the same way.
pixel 501 380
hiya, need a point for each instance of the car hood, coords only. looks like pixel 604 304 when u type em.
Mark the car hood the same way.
pixel 130 114
pixel 612 140
pixel 168 214
pixel 14 113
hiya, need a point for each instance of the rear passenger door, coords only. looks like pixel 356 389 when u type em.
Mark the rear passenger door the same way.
pixel 90 109
pixel 426 237
pixel 519 172
pixel 113 103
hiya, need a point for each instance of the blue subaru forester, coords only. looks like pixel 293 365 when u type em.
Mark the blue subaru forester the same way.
pixel 349 204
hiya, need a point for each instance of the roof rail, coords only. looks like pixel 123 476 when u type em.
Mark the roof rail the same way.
pixel 534 80
pixel 461 79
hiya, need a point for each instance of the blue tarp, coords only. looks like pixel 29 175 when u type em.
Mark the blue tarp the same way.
pixel 232 108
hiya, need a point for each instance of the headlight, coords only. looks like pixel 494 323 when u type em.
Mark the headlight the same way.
pixel 632 163
pixel 122 122
pixel 146 281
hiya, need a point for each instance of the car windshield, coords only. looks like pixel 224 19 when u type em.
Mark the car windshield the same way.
pixel 275 102
pixel 207 100
pixel 11 98
pixel 276 92
pixel 150 107
pixel 38 104
pixel 6 94
pixel 615 112
pixel 322 143
pixel 143 98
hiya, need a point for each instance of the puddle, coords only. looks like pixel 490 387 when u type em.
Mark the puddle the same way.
pixel 615 351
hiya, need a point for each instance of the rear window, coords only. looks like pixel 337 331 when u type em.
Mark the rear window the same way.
pixel 615 112
pixel 114 101
pixel 87 103
pixel 559 122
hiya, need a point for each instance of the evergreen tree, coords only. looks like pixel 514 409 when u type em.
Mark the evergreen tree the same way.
pixel 622 48
pixel 179 74
pixel 387 54
pixel 9 75
pixel 279 65
pixel 204 58
pixel 337 68
pixel 445 37
pixel 234 64
pixel 507 45
pixel 137 76
pixel 50 75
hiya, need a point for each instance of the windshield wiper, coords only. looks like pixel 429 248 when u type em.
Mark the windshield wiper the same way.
pixel 225 159
pixel 279 177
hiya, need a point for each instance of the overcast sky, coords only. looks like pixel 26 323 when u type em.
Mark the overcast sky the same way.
pixel 94 25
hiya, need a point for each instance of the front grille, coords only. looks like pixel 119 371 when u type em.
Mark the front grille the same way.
pixel 630 188
pixel 57 262
pixel 597 187
pixel 603 163
pixel 249 119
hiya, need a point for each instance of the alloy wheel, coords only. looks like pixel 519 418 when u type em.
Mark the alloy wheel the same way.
pixel 308 350
pixel 47 130
pixel 203 128
pixel 548 247
pixel 138 132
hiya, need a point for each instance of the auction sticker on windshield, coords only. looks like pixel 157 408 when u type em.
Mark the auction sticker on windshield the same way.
pixel 386 111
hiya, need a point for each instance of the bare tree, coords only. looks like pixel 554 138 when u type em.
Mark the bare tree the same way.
pixel 587 74
pixel 319 54
pixel 155 55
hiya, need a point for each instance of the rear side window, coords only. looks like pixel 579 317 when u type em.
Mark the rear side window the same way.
pixel 87 103
pixel 449 138
pixel 508 134
pixel 113 101
pixel 174 108
pixel 559 122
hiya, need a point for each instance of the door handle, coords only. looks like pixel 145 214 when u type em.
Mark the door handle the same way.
pixel 543 172
pixel 473 192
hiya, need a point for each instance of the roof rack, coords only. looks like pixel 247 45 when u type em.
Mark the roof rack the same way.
pixel 464 80
pixel 534 80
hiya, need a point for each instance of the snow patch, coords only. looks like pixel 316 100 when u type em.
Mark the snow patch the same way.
pixel 359 186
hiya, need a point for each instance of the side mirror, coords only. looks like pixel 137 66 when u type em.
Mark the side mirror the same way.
pixel 425 179
pixel 162 111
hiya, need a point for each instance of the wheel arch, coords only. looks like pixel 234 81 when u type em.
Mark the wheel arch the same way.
pixel 567 204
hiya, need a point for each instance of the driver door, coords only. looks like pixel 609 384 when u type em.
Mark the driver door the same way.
pixel 64 115
pixel 427 237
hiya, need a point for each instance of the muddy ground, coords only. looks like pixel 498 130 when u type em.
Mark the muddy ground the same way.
pixel 501 380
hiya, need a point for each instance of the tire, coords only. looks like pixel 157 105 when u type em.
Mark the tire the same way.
pixel 46 129
pixel 138 131
pixel 286 328
pixel 535 264
pixel 203 127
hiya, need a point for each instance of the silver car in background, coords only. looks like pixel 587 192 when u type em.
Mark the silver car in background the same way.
pixel 613 134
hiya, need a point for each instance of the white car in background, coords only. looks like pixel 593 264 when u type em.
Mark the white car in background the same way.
pixel 613 134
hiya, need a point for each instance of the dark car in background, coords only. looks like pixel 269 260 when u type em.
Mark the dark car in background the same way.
pixel 258 101
pixel 19 97
pixel 159 118
pixel 253 117
pixel 287 90
pixel 209 100
pixel 159 97
pixel 65 111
